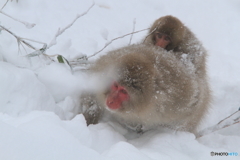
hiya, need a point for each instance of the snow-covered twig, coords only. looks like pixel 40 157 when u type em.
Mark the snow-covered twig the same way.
pixel 134 23
pixel 60 31
pixel 28 25
pixel 41 51
pixel 38 52
pixel 22 41
pixel 19 39
pixel 226 122
pixel 108 43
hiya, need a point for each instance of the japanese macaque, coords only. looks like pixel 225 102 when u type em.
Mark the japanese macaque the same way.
pixel 145 87
pixel 170 33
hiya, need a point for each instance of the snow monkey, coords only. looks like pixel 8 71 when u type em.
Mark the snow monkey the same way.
pixel 170 33
pixel 145 87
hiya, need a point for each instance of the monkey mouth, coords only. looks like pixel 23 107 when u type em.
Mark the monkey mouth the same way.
pixel 111 110
pixel 116 96
pixel 113 104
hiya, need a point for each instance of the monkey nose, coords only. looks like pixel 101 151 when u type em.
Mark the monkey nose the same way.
pixel 161 43
pixel 110 102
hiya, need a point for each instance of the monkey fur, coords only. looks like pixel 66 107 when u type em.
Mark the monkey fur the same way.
pixel 184 44
pixel 163 89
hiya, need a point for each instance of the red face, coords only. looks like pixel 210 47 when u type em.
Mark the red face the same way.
pixel 162 40
pixel 118 94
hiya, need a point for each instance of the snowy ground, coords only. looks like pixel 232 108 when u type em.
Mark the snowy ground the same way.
pixel 38 102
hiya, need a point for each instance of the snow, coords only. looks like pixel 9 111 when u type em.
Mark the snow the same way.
pixel 39 102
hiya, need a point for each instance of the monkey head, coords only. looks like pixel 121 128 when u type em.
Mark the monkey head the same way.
pixel 168 26
pixel 129 91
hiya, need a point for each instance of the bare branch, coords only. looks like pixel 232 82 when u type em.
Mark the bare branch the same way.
pixel 28 25
pixel 226 122
pixel 19 49
pixel 22 41
pixel 108 43
pixel 60 31
pixel 228 117
pixel 18 38
pixel 4 4
pixel 38 52
pixel 150 34
pixel 32 40
pixel 134 23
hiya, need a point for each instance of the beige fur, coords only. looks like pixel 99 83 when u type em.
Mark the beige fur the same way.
pixel 169 25
pixel 163 89
pixel 184 43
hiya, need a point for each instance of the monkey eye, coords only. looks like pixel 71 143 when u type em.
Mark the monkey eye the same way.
pixel 164 36
pixel 115 86
pixel 123 91
pixel 167 38
pixel 159 35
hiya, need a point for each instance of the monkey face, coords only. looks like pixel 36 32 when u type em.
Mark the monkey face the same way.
pixel 130 90
pixel 162 40
pixel 167 25
pixel 116 96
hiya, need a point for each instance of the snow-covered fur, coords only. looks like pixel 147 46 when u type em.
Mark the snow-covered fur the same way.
pixel 163 89
pixel 184 44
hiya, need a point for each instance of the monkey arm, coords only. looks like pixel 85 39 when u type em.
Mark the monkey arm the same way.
pixel 90 108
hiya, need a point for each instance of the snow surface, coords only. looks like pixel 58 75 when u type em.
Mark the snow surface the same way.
pixel 39 101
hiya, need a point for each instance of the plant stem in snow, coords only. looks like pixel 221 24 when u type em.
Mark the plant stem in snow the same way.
pixel 134 23
pixel 4 4
pixel 60 31
pixel 108 43
pixel 18 38
pixel 28 25
pixel 226 122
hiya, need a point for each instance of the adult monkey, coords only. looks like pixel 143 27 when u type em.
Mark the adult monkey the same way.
pixel 170 33
pixel 146 87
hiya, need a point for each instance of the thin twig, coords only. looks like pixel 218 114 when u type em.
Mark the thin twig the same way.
pixel 108 43
pixel 134 23
pixel 228 117
pixel 19 49
pixel 33 40
pixel 18 38
pixel 37 52
pixel 4 4
pixel 22 41
pixel 28 25
pixel 226 122
pixel 60 31
pixel 150 34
